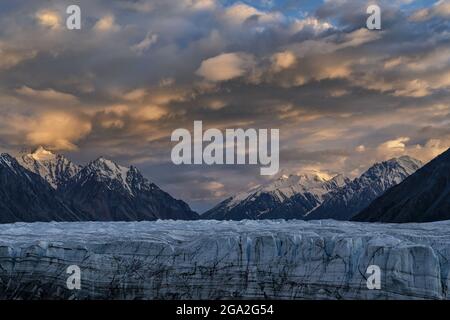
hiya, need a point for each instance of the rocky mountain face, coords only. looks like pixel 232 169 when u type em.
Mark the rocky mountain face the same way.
pixel 109 192
pixel 54 168
pixel 344 203
pixel 27 197
pixel 422 197
pixel 49 187
pixel 311 197
pixel 288 197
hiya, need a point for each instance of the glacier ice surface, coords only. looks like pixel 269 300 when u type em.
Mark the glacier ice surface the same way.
pixel 275 259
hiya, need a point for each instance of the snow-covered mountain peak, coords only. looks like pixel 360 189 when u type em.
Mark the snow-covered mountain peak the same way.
pixel 289 183
pixel 340 180
pixel 106 164
pixel 109 191
pixel 392 171
pixel 101 191
pixel 423 197
pixel 56 169
pixel 408 163
pixel 287 186
pixel 107 170
pixel 303 179
pixel 307 181
pixel 42 154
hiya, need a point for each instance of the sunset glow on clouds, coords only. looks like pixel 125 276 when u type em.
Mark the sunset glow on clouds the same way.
pixel 341 95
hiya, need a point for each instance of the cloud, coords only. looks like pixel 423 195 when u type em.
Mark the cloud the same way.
pixel 431 149
pixel 334 42
pixel 409 77
pixel 226 66
pixel 119 109
pixel 393 147
pixel 166 82
pixel 57 130
pixel 413 88
pixel 200 4
pixel 432 60
pixel 10 57
pixel 136 95
pixel 310 23
pixel 440 9
pixel 48 95
pixel 49 18
pixel 149 113
pixel 239 13
pixel 217 188
pixel 149 40
pixel 425 152
pixel 216 104
pixel 106 24
pixel 283 60
pixel 139 6
pixel 341 95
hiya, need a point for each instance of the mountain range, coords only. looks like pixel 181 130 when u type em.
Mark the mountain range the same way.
pixel 288 197
pixel 422 197
pixel 312 197
pixel 43 186
pixel 27 197
pixel 344 203
pixel 110 192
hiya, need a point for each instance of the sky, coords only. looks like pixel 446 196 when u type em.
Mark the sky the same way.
pixel 342 96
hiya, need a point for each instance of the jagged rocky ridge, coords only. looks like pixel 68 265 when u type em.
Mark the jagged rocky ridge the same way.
pixel 255 259
pixel 292 196
pixel 309 196
pixel 25 196
pixel 56 169
pixel 49 187
pixel 109 192
pixel 346 202
pixel 422 197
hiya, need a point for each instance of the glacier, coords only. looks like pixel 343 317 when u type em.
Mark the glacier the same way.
pixel 264 259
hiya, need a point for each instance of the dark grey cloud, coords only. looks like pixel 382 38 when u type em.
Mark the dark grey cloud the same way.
pixel 342 96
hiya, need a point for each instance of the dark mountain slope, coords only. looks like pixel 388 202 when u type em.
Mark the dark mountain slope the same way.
pixel 422 197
